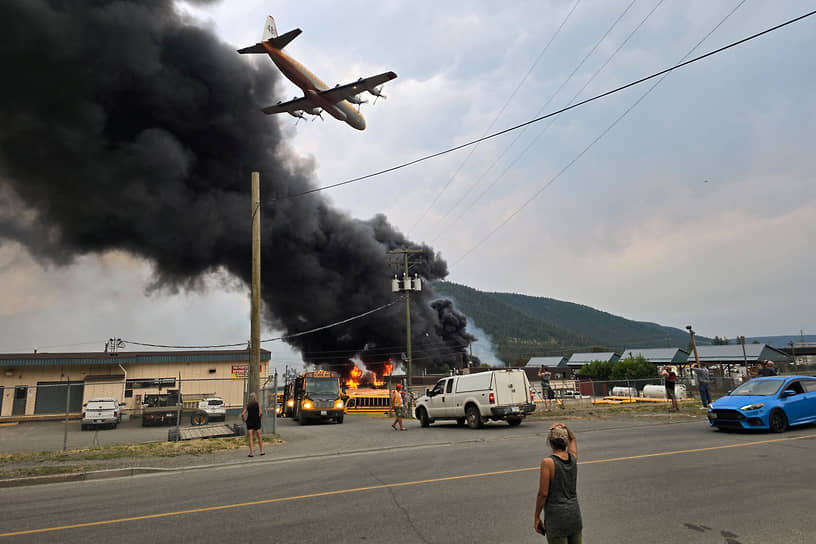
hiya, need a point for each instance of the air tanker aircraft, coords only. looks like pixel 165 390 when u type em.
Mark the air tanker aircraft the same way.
pixel 318 96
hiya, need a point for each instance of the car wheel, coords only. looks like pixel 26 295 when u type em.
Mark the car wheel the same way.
pixel 84 427
pixel 514 421
pixel 474 419
pixel 777 421
pixel 340 419
pixel 422 416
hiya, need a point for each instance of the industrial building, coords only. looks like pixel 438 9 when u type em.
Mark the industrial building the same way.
pixel 42 384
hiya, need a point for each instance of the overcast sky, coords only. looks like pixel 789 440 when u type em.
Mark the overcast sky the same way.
pixel 696 208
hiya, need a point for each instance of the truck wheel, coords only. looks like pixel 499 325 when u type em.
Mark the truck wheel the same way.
pixel 474 419
pixel 422 416
pixel 340 419
pixel 460 421
pixel 513 421
pixel 199 418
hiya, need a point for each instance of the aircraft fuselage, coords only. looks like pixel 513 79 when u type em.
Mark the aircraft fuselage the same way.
pixel 311 86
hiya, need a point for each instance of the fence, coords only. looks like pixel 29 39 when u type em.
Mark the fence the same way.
pixel 585 393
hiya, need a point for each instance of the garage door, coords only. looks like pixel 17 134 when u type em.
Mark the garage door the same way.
pixel 51 397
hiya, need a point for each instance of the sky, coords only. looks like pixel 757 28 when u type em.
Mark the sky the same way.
pixel 695 208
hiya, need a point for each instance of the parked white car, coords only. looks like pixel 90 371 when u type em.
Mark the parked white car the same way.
pixel 476 398
pixel 101 412
pixel 215 408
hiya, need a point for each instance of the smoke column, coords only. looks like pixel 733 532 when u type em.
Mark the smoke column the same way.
pixel 125 126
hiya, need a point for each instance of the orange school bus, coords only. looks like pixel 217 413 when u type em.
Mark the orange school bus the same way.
pixel 316 395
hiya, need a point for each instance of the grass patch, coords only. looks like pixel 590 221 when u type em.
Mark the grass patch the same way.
pixel 150 449
pixel 27 472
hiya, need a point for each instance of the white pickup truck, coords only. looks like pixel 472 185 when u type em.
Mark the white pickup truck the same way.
pixel 476 398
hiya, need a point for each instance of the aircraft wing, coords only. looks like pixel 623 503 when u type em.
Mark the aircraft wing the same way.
pixel 344 92
pixel 302 103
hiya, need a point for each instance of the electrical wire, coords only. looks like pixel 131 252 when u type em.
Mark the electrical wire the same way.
pixel 551 114
pixel 552 121
pixel 593 142
pixel 278 338
pixel 499 114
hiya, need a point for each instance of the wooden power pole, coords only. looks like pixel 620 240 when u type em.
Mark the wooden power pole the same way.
pixel 254 371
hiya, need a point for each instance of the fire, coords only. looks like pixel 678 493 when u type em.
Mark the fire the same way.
pixel 358 376
pixel 354 380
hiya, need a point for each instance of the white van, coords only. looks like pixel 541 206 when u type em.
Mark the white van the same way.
pixel 101 412
pixel 476 398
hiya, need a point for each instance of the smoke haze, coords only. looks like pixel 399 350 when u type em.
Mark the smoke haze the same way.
pixel 123 125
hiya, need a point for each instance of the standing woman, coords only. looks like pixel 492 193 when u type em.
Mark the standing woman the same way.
pixel 557 494
pixel 252 417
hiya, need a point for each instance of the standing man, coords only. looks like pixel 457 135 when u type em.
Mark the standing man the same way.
pixel 397 405
pixel 547 392
pixel 670 379
pixel 703 383
pixel 557 493
pixel 767 369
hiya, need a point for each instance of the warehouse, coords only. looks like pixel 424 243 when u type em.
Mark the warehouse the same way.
pixel 40 384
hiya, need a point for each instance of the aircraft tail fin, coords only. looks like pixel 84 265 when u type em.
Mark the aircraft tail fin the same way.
pixel 271 37
pixel 270 30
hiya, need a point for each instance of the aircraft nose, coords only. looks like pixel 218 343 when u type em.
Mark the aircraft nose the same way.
pixel 359 123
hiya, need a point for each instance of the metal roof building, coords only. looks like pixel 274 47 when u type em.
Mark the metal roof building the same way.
pixel 659 356
pixel 733 354
pixel 580 359
pixel 549 362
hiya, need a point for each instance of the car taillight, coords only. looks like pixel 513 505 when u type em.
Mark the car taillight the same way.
pixel 492 398
pixel 532 396
pixel 83 415
pixel 115 413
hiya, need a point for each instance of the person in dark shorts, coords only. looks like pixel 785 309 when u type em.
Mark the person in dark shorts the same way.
pixel 546 388
pixel 670 379
pixel 557 494
pixel 252 417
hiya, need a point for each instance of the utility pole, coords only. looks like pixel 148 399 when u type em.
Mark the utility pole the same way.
pixel 793 353
pixel 693 345
pixel 408 284
pixel 741 340
pixel 254 370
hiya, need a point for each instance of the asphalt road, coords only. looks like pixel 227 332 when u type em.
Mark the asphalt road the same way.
pixel 362 482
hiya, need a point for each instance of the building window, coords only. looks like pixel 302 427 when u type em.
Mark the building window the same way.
pixel 148 383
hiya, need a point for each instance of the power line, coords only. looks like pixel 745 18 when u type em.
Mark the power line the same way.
pixel 552 114
pixel 283 337
pixel 501 111
pixel 610 127
pixel 552 120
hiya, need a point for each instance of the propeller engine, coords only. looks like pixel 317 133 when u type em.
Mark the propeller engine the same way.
pixel 296 113
pixel 377 92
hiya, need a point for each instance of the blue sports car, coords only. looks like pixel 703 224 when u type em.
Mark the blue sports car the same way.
pixel 766 403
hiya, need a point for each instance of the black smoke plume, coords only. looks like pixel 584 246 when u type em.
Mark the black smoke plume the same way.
pixel 123 125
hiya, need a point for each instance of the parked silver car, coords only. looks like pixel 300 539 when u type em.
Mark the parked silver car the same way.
pixel 101 412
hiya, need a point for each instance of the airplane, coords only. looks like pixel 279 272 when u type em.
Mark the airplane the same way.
pixel 317 96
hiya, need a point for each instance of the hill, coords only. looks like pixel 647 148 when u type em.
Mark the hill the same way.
pixel 522 326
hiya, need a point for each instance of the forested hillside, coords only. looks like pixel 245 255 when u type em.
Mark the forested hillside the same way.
pixel 522 326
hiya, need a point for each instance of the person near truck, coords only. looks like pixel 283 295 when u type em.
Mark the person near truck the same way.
pixel 703 381
pixel 547 392
pixel 557 493
pixel 252 417
pixel 397 404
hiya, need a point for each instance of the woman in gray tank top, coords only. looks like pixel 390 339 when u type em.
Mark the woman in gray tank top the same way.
pixel 557 495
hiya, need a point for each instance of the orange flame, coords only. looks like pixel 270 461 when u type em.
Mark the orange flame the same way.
pixel 354 380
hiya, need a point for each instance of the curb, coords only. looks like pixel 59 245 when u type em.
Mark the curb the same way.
pixel 80 476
